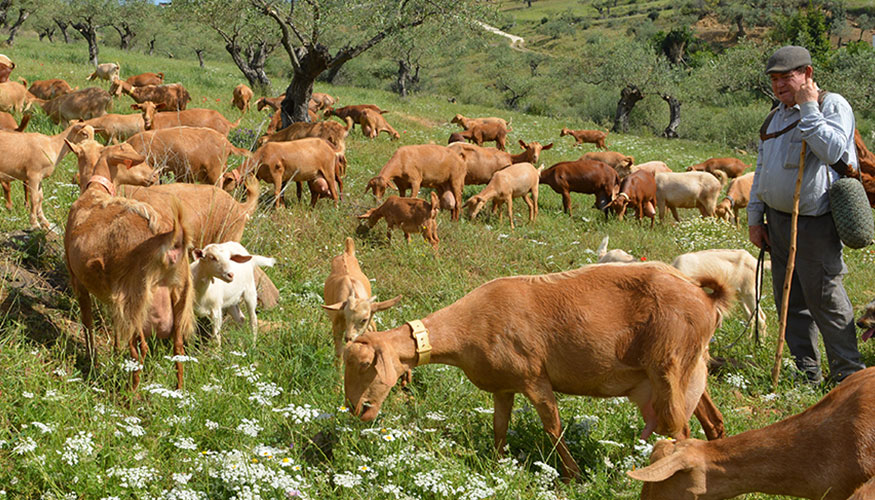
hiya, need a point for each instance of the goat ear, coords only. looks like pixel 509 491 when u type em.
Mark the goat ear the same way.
pixel 386 304
pixel 392 185
pixel 523 144
pixel 548 146
pixel 240 259
pixel 73 147
pixel 197 253
pixel 333 307
pixel 385 370
pixel 661 469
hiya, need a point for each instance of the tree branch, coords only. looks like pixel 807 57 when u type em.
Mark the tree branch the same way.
pixel 348 53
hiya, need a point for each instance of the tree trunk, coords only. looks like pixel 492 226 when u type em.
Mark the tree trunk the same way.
pixel 152 45
pixel 403 78
pixel 4 10
pixel 200 56
pixel 47 32
pixel 332 73
pixel 22 16
pixel 629 96
pixel 125 36
pixel 62 25
pixel 313 61
pixel 89 32
pixel 674 108
pixel 739 21
pixel 252 63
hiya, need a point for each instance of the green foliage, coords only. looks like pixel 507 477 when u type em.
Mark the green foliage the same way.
pixel 807 28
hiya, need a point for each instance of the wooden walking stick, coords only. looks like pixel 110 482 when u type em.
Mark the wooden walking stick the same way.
pixel 788 274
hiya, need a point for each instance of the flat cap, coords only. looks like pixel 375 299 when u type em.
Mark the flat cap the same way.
pixel 787 59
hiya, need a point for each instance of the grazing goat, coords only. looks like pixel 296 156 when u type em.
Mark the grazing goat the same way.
pixel 223 275
pixel 583 176
pixel 172 97
pixel 482 132
pixel 469 123
pixel 688 190
pixel 422 165
pixel 617 161
pixel 191 153
pixel 639 191
pixel 738 269
pixel 88 153
pixel 654 167
pixel 84 104
pixel 639 331
pixel 777 459
pixel 121 251
pixel 8 123
pixel 373 123
pixel 867 321
pixel 320 101
pixel 480 163
pixel 145 79
pixel 332 132
pixel 615 255
pixel 412 215
pixel 348 300
pixel 113 127
pixel 732 167
pixel 15 97
pixel 105 71
pixel 517 180
pixel 49 89
pixel 737 197
pixel 596 137
pixel 241 96
pixel 299 161
pixel 353 112
pixel 198 117
pixel 30 157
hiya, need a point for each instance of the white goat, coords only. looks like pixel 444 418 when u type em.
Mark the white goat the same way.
pixel 234 267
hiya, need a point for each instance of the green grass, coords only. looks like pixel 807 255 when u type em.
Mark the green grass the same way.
pixel 432 440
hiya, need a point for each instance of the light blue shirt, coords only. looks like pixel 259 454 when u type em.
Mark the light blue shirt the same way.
pixel 829 134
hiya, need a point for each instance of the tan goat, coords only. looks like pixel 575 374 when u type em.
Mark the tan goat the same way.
pixel 654 167
pixel 171 97
pixel 49 89
pixel 197 117
pixel 78 105
pixel 823 453
pixel 688 190
pixel 617 161
pixel 113 127
pixel 483 132
pixel 412 215
pixel 299 161
pixel 468 123
pixel 144 79
pixel 241 96
pixel 517 180
pixel 596 137
pixel 737 197
pixel 373 123
pixel 121 251
pixel 30 157
pixel 88 153
pixel 332 132
pixel 422 165
pixel 348 300
pixel 105 71
pixel 8 123
pixel 14 97
pixel 191 153
pixel 639 331
pixel 480 163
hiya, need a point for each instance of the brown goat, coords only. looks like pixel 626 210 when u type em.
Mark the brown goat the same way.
pixel 241 96
pixel 422 165
pixel 353 112
pixel 583 176
pixel 469 123
pixel 197 117
pixel 412 215
pixel 639 191
pixel 121 251
pixel 145 79
pixel 88 154
pixel 49 89
pixel 332 132
pixel 15 97
pixel 777 459
pixel 373 123
pixel 113 127
pixel 732 167
pixel 737 197
pixel 191 153
pixel 172 97
pixel 596 137
pixel 8 123
pixel 320 101
pixel 481 163
pixel 608 330
pixel 84 104
pixel 616 160
pixel 483 132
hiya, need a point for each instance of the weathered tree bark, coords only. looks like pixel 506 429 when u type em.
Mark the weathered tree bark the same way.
pixel 629 96
pixel 739 21
pixel 251 60
pixel 200 56
pixel 62 25
pixel 4 10
pixel 46 32
pixel 311 64
pixel 89 33
pixel 152 44
pixel 331 74
pixel 674 108
pixel 405 79
pixel 126 35
pixel 23 14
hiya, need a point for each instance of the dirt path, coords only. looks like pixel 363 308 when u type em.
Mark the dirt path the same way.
pixel 516 42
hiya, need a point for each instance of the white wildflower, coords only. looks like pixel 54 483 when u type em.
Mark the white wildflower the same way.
pixel 27 395
pixel 249 427
pixel 181 478
pixel 347 480
pixel 77 447
pixel 134 477
pixel 211 425
pixel 45 429
pixel 131 365
pixel 180 358
pixel 185 443
pixel 299 414
pixel 25 445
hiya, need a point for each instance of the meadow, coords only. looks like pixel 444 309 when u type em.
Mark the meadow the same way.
pixel 267 420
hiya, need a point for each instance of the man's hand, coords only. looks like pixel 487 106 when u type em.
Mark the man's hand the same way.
pixel 759 236
pixel 807 92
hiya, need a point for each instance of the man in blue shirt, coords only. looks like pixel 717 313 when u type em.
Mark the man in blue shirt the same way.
pixel 818 300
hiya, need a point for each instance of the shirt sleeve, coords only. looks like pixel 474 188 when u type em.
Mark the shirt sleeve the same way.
pixel 755 207
pixel 826 132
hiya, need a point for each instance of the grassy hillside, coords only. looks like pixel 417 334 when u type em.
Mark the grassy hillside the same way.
pixel 267 420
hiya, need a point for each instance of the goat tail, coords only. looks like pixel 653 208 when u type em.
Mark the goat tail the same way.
pixel 716 286
pixel 603 247
pixel 722 177
pixel 25 119
pixel 262 261
pixel 349 247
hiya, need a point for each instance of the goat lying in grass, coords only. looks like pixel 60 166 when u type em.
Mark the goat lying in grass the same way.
pixel 639 331
pixel 823 453
pixel 223 275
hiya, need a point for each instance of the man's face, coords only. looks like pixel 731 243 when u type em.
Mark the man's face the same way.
pixel 785 85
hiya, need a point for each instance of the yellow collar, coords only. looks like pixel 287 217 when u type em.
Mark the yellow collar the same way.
pixel 420 337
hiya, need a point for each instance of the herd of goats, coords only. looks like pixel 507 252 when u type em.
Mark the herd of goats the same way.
pixel 162 254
